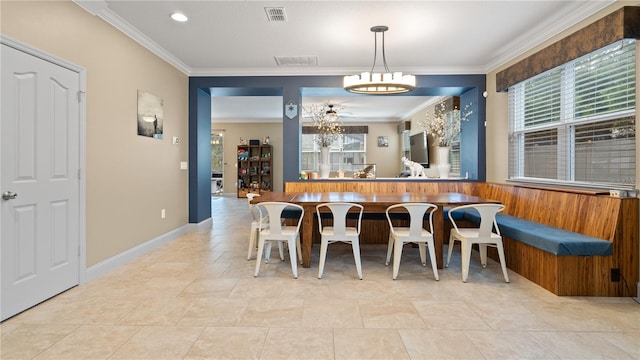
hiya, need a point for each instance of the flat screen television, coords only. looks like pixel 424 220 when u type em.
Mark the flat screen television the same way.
pixel 419 148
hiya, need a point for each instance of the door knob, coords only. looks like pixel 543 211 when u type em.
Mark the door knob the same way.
pixel 8 195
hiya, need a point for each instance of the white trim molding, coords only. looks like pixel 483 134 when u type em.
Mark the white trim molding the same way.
pixel 204 225
pixel 101 9
pixel 124 257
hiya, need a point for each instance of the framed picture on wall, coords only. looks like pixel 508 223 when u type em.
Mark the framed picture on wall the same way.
pixel 150 115
pixel 383 141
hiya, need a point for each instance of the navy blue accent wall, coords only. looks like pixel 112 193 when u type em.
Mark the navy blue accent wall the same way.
pixel 291 136
pixel 472 138
pixel 199 155
pixel 292 88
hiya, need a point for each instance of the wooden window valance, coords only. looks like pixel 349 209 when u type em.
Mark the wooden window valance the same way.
pixel 624 23
pixel 345 130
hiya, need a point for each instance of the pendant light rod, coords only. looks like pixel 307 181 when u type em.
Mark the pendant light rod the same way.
pixel 376 30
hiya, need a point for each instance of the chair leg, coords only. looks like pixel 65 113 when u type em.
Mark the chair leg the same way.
pixel 389 250
pixel 293 257
pixel 281 250
pixel 432 257
pixel 451 242
pixel 259 256
pixel 253 236
pixel 299 248
pixel 423 253
pixel 482 248
pixel 397 255
pixel 355 245
pixel 466 259
pixel 503 263
pixel 323 256
pixel 267 252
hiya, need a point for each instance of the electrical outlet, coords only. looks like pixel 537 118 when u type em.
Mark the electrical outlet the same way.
pixel 615 275
pixel 163 214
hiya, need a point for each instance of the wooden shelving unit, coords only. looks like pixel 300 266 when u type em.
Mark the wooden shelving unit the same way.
pixel 255 169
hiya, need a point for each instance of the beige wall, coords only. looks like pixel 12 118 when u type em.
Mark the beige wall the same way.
pixel 497 132
pixel 232 134
pixel 129 178
pixel 387 159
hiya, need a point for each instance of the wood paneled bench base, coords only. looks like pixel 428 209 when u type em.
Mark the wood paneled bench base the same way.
pixel 568 257
pixel 588 213
pixel 562 275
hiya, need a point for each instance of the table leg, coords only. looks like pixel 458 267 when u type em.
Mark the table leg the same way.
pixel 438 235
pixel 306 236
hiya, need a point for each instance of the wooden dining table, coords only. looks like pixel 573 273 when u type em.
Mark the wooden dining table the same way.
pixel 375 203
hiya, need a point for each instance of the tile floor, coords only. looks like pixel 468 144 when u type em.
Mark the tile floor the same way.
pixel 196 298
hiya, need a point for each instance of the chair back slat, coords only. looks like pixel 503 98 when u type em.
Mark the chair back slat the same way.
pixel 487 214
pixel 273 210
pixel 339 211
pixel 417 212
pixel 487 218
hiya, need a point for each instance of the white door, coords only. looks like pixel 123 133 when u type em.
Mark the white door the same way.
pixel 39 134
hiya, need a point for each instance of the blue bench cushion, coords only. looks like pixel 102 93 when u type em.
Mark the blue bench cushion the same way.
pixel 548 238
pixel 457 215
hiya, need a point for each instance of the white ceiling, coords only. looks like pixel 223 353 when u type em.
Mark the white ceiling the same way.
pixel 425 37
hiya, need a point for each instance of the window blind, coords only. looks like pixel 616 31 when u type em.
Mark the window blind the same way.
pixel 576 123
pixel 347 150
pixel 605 151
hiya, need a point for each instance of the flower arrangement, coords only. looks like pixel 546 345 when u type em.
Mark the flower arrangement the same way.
pixel 444 125
pixel 327 122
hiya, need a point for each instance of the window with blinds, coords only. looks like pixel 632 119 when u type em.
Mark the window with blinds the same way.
pixel 454 157
pixel 347 150
pixel 576 123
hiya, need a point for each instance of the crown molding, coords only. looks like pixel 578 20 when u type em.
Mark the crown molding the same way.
pixel 100 9
pixel 546 30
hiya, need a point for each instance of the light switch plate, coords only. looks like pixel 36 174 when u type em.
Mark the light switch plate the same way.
pixel 184 165
pixel 175 140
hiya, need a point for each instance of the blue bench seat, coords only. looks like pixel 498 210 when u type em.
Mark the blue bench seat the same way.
pixel 548 238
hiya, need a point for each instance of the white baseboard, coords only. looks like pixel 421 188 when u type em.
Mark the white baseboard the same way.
pixel 124 257
pixel 204 225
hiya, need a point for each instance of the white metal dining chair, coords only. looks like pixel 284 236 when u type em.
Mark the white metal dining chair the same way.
pixel 255 233
pixel 275 231
pixel 339 231
pixel 415 233
pixel 484 236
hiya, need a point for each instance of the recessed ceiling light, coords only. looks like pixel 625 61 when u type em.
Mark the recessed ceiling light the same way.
pixel 180 17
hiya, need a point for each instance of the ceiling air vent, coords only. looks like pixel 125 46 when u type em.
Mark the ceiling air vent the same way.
pixel 296 60
pixel 276 14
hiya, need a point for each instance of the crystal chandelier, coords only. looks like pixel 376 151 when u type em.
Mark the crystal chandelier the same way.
pixel 379 83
